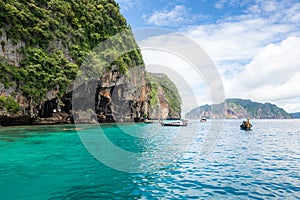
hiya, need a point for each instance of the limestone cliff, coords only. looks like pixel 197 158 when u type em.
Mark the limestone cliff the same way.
pixel 112 98
pixel 43 47
pixel 165 99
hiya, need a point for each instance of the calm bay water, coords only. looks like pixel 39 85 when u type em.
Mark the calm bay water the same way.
pixel 51 162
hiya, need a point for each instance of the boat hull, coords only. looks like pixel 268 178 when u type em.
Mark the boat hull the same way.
pixel 173 124
pixel 245 128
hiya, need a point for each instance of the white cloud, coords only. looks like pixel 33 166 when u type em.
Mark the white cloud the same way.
pixel 174 17
pixel 128 4
pixel 192 71
pixel 273 74
pixel 219 5
pixel 256 53
pixel 269 6
pixel 177 17
pixel 274 10
pixel 237 42
pixel 293 14
pixel 183 75
pixel 292 105
pixel 235 3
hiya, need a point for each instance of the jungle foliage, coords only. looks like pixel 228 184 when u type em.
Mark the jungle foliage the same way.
pixel 56 38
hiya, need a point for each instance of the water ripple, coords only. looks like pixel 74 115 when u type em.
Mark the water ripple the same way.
pixel 49 163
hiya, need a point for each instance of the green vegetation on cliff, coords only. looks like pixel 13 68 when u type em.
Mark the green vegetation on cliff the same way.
pixel 169 93
pixel 43 43
pixel 9 104
pixel 239 108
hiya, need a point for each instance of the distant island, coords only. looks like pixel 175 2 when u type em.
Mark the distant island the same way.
pixel 238 109
pixel 295 115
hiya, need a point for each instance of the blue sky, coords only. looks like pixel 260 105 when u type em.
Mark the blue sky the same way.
pixel 139 13
pixel 254 44
pixel 177 14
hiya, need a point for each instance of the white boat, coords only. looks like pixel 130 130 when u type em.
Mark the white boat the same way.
pixel 148 121
pixel 174 123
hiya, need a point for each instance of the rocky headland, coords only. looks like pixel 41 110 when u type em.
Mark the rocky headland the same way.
pixel 43 47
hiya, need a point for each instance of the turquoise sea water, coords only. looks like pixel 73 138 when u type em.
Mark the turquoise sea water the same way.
pixel 52 162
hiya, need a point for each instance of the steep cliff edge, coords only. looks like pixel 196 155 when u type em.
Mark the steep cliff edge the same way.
pixel 237 109
pixel 165 99
pixel 43 47
pixel 112 98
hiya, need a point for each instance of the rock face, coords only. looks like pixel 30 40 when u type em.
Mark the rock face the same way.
pixel 238 109
pixel 161 108
pixel 126 98
pixel 165 99
pixel 113 98
pixel 43 46
pixel 9 50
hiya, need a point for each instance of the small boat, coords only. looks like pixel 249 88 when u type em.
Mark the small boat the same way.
pixel 148 121
pixel 174 123
pixel 246 126
pixel 203 119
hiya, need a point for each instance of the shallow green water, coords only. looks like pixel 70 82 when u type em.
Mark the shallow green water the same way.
pixel 52 162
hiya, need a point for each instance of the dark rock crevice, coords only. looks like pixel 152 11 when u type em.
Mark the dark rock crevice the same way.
pixel 109 99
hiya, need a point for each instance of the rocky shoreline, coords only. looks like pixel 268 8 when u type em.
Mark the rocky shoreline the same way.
pixel 115 99
pixel 58 118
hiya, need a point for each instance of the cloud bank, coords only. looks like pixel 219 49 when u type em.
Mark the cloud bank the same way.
pixel 253 43
pixel 256 53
